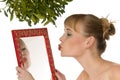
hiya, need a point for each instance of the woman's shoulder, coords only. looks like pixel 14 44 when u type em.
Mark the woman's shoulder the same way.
pixel 115 71
pixel 115 67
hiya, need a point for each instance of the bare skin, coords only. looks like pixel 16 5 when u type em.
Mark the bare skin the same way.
pixel 109 73
pixel 83 49
pixel 23 74
pixel 60 76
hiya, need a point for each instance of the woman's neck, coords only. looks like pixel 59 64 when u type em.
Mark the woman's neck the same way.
pixel 92 64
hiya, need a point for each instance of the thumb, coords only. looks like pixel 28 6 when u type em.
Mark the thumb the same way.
pixel 59 75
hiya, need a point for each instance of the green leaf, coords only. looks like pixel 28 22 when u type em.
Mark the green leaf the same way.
pixel 33 19
pixel 5 13
pixel 46 23
pixel 29 22
pixel 11 17
pixel 39 16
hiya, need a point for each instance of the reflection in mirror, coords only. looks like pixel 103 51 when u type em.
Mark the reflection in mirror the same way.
pixel 25 55
pixel 35 57
pixel 33 52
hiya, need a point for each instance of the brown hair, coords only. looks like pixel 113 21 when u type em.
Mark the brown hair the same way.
pixel 21 42
pixel 100 28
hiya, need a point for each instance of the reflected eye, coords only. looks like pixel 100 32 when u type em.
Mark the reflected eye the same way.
pixel 23 49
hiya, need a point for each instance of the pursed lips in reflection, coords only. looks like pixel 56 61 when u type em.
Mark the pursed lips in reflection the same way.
pixel 24 59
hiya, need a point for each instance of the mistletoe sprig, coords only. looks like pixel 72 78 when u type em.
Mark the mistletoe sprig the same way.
pixel 34 11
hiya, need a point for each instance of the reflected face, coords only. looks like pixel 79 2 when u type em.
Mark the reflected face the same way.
pixel 25 55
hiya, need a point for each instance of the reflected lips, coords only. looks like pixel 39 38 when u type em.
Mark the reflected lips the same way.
pixel 24 59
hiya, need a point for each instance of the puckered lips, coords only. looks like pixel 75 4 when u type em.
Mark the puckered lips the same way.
pixel 59 47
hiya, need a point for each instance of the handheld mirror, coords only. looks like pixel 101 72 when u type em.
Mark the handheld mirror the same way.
pixel 33 52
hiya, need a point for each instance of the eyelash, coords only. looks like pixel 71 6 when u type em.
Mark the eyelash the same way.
pixel 23 49
pixel 69 34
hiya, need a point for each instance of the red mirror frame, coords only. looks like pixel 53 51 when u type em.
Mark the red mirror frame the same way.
pixel 16 34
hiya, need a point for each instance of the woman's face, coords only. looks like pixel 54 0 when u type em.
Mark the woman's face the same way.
pixel 72 43
pixel 25 56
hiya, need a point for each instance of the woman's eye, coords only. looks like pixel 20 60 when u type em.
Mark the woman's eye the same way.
pixel 69 34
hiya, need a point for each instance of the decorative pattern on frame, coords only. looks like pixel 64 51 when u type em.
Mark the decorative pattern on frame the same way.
pixel 20 33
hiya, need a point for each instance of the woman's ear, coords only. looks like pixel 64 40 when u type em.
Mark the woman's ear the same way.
pixel 89 41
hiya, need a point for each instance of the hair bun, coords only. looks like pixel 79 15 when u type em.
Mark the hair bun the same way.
pixel 108 28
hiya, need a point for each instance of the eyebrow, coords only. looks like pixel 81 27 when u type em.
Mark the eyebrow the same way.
pixel 67 29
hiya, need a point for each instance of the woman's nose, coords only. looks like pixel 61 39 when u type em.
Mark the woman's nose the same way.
pixel 61 38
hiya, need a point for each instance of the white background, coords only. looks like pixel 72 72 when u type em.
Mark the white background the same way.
pixel 38 57
pixel 68 66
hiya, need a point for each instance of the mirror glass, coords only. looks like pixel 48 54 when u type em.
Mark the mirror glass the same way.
pixel 33 52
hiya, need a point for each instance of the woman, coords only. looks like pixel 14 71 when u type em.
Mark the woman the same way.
pixel 85 39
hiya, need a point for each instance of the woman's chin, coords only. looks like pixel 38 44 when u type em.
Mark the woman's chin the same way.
pixel 63 55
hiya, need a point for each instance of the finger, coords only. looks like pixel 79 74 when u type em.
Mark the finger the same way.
pixel 22 66
pixel 59 75
pixel 57 71
pixel 19 78
pixel 19 74
pixel 19 70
